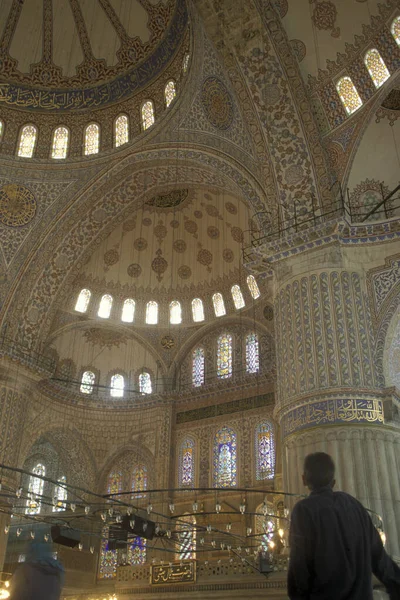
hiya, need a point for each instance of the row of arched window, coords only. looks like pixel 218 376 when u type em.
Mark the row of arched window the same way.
pixel 117 384
pixel 175 307
pixel 377 69
pixel 91 140
pixel 35 492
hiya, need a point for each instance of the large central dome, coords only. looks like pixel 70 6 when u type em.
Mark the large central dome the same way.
pixel 84 54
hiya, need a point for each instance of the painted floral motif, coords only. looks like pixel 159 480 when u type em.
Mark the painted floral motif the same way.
pixel 160 231
pixel 174 224
pixel 237 235
pixel 159 265
pixel 129 224
pixel 140 244
pixel 179 246
pixel 324 16
pixel 111 257
pixel 365 196
pixel 228 255
pixel 17 205
pixel 198 214
pixel 134 270
pixel 147 222
pixel 231 208
pixel 213 232
pixel 204 257
pixel 217 103
pixel 184 272
pixel 191 227
pixel 299 48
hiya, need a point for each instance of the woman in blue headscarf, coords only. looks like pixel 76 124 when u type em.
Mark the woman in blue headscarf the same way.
pixel 40 577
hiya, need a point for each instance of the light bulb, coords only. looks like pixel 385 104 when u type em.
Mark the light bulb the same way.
pixel 132 523
pixel 206 562
pixel 222 546
pixel 242 508
pixel 91 549
pixel 229 526
pixel 172 507
pixel 209 528
pixel 73 506
pixel 218 508
pixel 195 506
pixel 213 543
pixel 144 526
pixel 149 508
pixel 6 529
pixel 229 547
pixel 33 535
pixel 231 560
pixel 103 516
pixel 18 493
pixel 249 530
pixel 157 529
pixel 87 510
pixel 247 550
pixel 111 511
pixel 239 548
pixel 281 533
pixel 19 531
pixel 129 511
pixel 169 534
pixel 201 541
pixel 46 537
pixel 118 518
pixel 80 547
pixel 219 561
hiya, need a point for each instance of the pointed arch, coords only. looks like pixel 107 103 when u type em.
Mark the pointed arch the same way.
pixel 197 310
pixel 395 29
pixel 35 490
pixel 219 304
pixel 121 130
pixel 105 306
pixel 265 451
pixel 170 92
pixel 147 113
pixel 198 367
pixel 145 384
pixel 224 356
pixel 128 311
pixel 60 145
pixel 237 297
pixel 348 94
pixel 175 312
pixel 117 385
pixel 376 67
pixel 92 139
pixel 186 528
pixel 225 458
pixel 83 300
pixel 187 462
pixel 253 287
pixel 152 313
pixel 87 382
pixel 252 353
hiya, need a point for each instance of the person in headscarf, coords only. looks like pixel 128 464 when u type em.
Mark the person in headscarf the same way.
pixel 40 577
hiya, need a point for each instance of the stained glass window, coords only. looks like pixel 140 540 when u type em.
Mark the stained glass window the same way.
pixel 92 139
pixel 145 386
pixel 253 287
pixel 121 132
pixel 137 551
pixel 396 29
pixel 152 313
pixel 87 382
pixel 35 490
pixel 224 356
pixel 225 458
pixel 219 305
pixel 114 483
pixel 60 495
pixel 1 128
pixel 252 353
pixel 147 114
pixel 170 93
pixel 108 558
pixel 83 301
pixel 175 312
pixel 139 480
pixel 185 63
pixel 376 67
pixel 348 95
pixel 60 143
pixel 265 525
pixel 186 529
pixel 198 362
pixel 117 386
pixel 128 311
pixel 186 462
pixel 237 296
pixel 105 306
pixel 265 451
pixel 197 310
pixel 27 141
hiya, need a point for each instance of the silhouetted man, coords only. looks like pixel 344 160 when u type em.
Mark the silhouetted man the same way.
pixel 334 547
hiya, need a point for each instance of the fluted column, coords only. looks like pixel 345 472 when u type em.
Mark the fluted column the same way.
pixel 328 395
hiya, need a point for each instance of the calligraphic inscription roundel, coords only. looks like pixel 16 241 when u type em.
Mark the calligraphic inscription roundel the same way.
pixel 217 103
pixel 17 205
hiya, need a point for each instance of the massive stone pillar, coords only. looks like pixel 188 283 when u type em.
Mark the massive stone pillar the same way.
pixel 328 396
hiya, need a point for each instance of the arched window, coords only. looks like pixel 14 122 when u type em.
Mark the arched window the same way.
pixel 83 301
pixel 1 129
pixel 265 451
pixel 27 141
pixel 92 139
pixel 152 313
pixel 253 287
pixel 145 386
pixel 175 312
pixel 121 130
pixel 186 472
pixel 197 310
pixel 117 386
pixel 186 529
pixel 225 458
pixel 170 93
pixel 105 306
pixel 114 483
pixel 108 558
pixel 137 552
pixel 198 362
pixel 395 29
pixel 87 382
pixel 139 480
pixel 185 63
pixel 265 525
pixel 252 353
pixel 60 495
pixel 219 305
pixel 60 143
pixel 376 67
pixel 147 114
pixel 35 490
pixel 224 356
pixel 348 95
pixel 128 311
pixel 237 296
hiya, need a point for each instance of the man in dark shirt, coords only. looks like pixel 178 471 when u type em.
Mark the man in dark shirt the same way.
pixel 334 547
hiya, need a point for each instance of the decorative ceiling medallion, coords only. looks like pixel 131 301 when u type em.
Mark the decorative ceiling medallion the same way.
pixel 231 208
pixel 167 342
pixel 134 270
pixel 111 257
pixel 17 205
pixel 174 224
pixel 237 234
pixel 324 16
pixel 147 222
pixel 184 272
pixel 198 214
pixel 105 338
pixel 217 103
pixel 204 257
pixel 159 265
pixel 228 255
pixel 160 231
pixel 140 244
pixel 299 48
pixel 282 7
pixel 179 246
pixel 170 200
pixel 213 232
pixel 129 224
